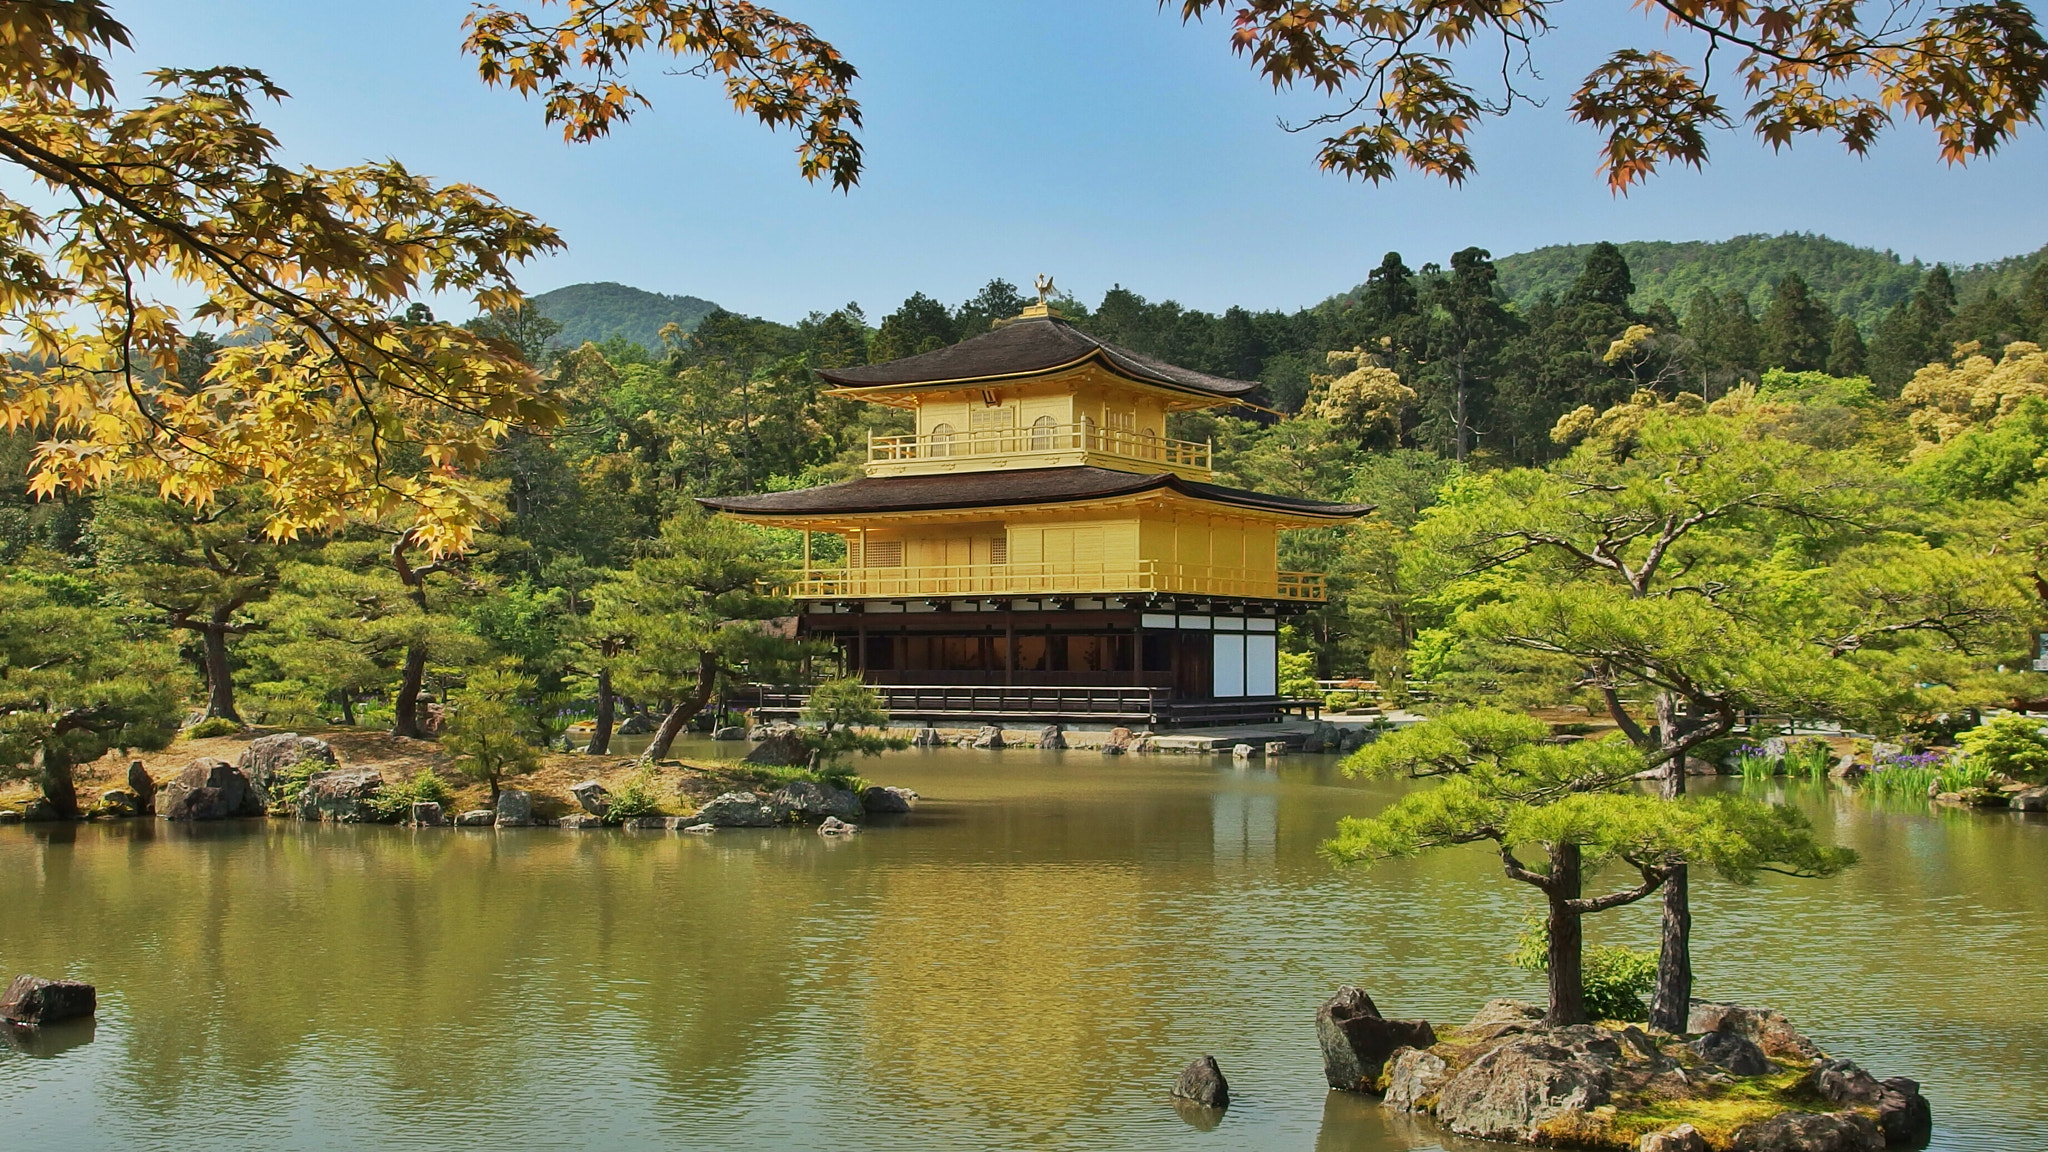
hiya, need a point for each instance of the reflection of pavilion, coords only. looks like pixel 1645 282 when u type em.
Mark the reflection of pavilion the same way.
pixel 1245 825
pixel 1039 550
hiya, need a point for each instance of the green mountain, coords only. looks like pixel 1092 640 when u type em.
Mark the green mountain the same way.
pixel 1859 282
pixel 598 312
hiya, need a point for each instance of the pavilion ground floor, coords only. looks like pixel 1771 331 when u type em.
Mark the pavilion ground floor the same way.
pixel 1151 661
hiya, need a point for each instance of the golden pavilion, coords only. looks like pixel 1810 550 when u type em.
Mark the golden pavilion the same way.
pixel 1038 551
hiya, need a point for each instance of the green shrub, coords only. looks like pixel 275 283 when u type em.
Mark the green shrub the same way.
pixel 212 726
pixel 2010 744
pixel 395 801
pixel 290 781
pixel 1615 979
pixel 637 795
pixel 1810 758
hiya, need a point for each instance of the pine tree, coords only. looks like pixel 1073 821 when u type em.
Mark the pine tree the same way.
pixel 1845 349
pixel 1796 328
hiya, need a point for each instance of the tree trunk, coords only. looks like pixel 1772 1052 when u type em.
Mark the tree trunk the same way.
pixel 405 720
pixel 348 708
pixel 1567 985
pixel 1671 1004
pixel 672 724
pixel 220 679
pixel 601 739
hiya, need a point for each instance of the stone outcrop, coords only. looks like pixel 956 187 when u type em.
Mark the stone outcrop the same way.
pixel 1810 1132
pixel 1117 742
pixel 341 796
pixel 1769 1030
pixel 729 732
pixel 1684 1138
pixel 476 818
pixel 1052 738
pixel 834 826
pixel 1509 1076
pixel 514 808
pixel 117 802
pixel 1528 1079
pixel 1356 1040
pixel 806 801
pixel 737 810
pixel 879 801
pixel 268 756
pixel 1733 1051
pixel 991 736
pixel 209 790
pixel 35 1001
pixel 426 814
pixel 142 788
pixel 592 796
pixel 927 738
pixel 1202 1082
pixel 637 724
pixel 782 748
pixel 1414 1077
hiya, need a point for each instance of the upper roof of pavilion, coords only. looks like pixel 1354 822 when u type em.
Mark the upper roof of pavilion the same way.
pixel 1038 343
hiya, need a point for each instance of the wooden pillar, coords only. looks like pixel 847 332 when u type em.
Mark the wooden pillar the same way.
pixel 860 645
pixel 1138 650
pixel 1009 647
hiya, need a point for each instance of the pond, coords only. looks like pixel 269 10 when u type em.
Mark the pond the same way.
pixel 1026 962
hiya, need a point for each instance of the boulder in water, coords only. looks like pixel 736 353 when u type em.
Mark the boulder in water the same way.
pixel 1117 742
pixel 515 808
pixel 209 790
pixel 1768 1029
pixel 426 814
pixel 737 810
pixel 729 732
pixel 1052 738
pixel 1202 1082
pixel 807 801
pixel 991 736
pixel 36 1001
pixel 1356 1040
pixel 880 801
pixel 927 738
pixel 342 796
pixel 834 826
pixel 476 818
pixel 637 724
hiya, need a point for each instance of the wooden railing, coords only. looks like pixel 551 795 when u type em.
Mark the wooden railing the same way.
pixel 1046 439
pixel 1053 579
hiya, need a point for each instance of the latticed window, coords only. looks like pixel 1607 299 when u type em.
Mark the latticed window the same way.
pixel 942 439
pixel 999 550
pixel 1043 430
pixel 884 554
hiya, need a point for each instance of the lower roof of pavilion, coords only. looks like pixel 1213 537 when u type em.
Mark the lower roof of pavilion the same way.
pixel 1023 488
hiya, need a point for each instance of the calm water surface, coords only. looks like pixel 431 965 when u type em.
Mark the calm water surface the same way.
pixel 1025 963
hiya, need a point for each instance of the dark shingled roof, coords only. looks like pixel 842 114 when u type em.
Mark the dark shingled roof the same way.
pixel 1003 488
pixel 1027 347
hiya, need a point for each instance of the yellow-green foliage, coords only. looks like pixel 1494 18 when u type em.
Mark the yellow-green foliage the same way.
pixel 1717 1113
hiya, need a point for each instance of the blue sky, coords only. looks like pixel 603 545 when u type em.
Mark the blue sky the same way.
pixel 1097 140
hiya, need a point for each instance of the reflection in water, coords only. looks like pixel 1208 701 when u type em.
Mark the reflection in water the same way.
pixel 47 1041
pixel 1028 959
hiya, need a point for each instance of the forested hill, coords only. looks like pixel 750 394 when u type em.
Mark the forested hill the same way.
pixel 598 312
pixel 1862 283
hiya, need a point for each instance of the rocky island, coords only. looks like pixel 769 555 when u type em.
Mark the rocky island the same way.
pixel 1739 1080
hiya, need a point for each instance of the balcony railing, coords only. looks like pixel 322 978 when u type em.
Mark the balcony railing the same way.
pixel 1040 439
pixel 1054 579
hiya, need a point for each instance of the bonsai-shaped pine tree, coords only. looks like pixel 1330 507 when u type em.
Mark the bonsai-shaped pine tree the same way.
pixel 76 680
pixel 839 708
pixel 1577 804
pixel 483 734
